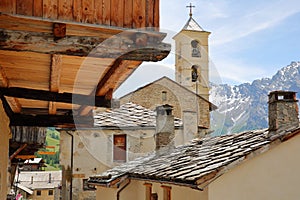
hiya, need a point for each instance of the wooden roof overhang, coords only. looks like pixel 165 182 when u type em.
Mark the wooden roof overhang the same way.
pixel 53 72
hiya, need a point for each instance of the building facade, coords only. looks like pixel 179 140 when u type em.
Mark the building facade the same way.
pixel 259 164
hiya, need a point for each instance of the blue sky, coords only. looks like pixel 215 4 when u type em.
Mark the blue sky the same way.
pixel 249 39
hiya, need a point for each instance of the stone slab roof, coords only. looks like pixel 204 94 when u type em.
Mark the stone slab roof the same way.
pixel 196 164
pixel 39 179
pixel 128 115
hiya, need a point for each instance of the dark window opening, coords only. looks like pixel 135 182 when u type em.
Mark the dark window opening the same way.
pixel 195 48
pixel 119 154
pixel 50 192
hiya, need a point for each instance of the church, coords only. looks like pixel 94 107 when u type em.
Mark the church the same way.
pixel 189 93
pixel 128 130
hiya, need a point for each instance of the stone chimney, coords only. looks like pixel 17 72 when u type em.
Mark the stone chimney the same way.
pixel 283 110
pixel 190 126
pixel 165 131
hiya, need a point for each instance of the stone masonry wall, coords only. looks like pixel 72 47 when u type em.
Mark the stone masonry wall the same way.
pixel 180 98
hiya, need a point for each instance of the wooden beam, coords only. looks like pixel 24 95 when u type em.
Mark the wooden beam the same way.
pixel 51 120
pixel 80 99
pixel 56 64
pixel 4 82
pixel 17 152
pixel 6 107
pixel 83 110
pixel 120 46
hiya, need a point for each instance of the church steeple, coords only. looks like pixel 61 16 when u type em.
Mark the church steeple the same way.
pixel 192 57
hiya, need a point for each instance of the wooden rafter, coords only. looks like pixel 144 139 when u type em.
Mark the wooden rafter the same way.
pixel 4 82
pixel 118 70
pixel 55 72
pixel 80 99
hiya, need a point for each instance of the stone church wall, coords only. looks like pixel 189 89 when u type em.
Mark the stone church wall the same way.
pixel 180 98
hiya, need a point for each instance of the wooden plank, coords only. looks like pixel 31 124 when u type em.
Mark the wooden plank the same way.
pixel 50 9
pixel 3 78
pixel 82 46
pixel 25 157
pixel 13 102
pixel 25 7
pixel 88 11
pixel 117 13
pixel 128 14
pixel 77 10
pixel 8 6
pixel 156 14
pixel 55 74
pixel 98 14
pixel 56 65
pixel 139 13
pixel 106 12
pixel 46 152
pixel 99 101
pixel 150 13
pixel 38 8
pixel 32 24
pixel 65 11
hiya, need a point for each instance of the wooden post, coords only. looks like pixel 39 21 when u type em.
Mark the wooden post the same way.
pixel 5 135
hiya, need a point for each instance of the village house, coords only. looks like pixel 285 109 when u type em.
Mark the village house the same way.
pixel 259 164
pixel 34 164
pixel 124 133
pixel 60 59
pixel 39 185
pixel 119 135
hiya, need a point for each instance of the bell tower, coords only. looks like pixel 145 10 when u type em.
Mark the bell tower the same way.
pixel 191 60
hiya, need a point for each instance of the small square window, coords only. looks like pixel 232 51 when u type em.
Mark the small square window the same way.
pixel 50 192
pixel 38 193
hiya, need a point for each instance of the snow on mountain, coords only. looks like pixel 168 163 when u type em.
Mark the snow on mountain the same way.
pixel 245 107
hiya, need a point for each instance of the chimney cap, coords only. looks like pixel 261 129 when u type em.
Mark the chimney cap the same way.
pixel 164 109
pixel 281 95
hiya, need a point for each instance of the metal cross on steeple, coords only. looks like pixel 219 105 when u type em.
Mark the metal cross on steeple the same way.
pixel 191 9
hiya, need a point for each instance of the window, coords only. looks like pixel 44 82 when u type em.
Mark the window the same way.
pixel 195 74
pixel 195 48
pixel 50 192
pixel 38 193
pixel 148 191
pixel 154 196
pixel 164 96
pixel 167 192
pixel 119 154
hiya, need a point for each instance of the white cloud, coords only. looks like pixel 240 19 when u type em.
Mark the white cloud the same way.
pixel 249 20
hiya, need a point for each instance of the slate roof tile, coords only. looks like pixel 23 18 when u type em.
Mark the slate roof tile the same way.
pixel 203 159
pixel 128 115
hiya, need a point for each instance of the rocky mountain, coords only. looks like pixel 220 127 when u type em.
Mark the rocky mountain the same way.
pixel 245 107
